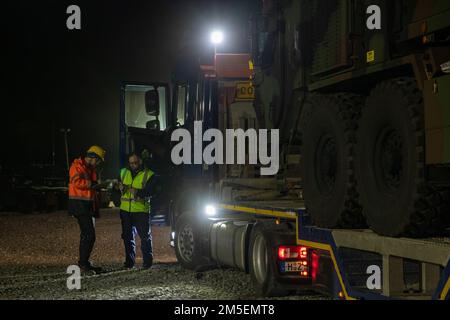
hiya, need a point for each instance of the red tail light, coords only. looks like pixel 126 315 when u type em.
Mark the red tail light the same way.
pixel 303 252
pixel 292 252
pixel 314 266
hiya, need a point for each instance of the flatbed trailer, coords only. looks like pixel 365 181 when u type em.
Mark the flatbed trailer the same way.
pixel 343 261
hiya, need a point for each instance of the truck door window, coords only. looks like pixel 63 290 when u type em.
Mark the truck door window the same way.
pixel 181 104
pixel 135 114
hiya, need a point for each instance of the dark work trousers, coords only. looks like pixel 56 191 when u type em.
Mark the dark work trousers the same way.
pixel 140 223
pixel 87 237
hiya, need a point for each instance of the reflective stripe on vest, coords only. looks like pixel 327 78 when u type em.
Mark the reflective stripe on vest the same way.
pixel 128 202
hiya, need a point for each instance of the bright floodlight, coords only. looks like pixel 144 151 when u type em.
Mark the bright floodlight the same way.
pixel 217 37
pixel 210 210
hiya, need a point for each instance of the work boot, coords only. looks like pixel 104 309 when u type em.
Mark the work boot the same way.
pixel 128 266
pixel 88 267
pixel 148 265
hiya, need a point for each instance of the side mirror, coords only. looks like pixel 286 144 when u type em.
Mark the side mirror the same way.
pixel 152 103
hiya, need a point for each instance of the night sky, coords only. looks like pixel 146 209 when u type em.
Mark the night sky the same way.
pixel 55 78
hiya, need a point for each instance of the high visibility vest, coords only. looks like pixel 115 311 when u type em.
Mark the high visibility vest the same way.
pixel 128 202
pixel 81 178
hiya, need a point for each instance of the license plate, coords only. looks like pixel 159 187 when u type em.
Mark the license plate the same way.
pixel 292 267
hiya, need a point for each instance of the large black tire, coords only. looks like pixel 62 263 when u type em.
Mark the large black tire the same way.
pixel 390 164
pixel 192 242
pixel 327 132
pixel 263 262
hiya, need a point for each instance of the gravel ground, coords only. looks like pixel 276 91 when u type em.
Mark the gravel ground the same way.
pixel 35 251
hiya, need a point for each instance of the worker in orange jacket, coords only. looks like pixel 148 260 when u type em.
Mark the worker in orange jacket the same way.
pixel 82 201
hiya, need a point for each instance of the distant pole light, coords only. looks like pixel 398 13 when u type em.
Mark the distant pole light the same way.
pixel 66 131
pixel 217 37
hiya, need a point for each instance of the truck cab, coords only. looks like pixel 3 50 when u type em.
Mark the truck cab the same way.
pixel 151 112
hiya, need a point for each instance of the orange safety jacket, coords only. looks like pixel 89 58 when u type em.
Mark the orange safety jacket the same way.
pixel 81 179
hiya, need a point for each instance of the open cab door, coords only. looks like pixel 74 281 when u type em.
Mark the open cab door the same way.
pixel 144 129
pixel 145 117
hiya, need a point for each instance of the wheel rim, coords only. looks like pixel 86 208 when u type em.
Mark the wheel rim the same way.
pixel 186 243
pixel 260 259
pixel 389 160
pixel 326 165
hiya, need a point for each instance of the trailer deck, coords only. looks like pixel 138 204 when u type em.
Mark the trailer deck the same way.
pixel 393 256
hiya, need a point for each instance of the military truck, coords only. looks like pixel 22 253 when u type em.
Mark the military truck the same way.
pixel 365 104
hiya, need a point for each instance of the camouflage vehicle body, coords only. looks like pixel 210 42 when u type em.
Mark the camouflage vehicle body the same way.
pixel 311 53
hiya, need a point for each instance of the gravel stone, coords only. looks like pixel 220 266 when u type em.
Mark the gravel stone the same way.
pixel 36 250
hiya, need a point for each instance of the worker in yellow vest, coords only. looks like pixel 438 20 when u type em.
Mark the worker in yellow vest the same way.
pixel 136 186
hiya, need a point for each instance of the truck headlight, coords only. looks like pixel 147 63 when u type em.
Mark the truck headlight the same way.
pixel 210 210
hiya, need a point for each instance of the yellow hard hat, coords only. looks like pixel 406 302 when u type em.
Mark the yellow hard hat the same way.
pixel 98 151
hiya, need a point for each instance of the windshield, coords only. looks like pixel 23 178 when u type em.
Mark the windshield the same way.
pixel 135 113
